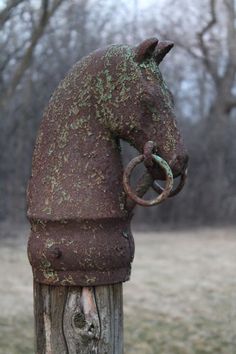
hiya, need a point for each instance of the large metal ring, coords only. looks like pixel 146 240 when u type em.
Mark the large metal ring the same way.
pixel 157 188
pixel 168 186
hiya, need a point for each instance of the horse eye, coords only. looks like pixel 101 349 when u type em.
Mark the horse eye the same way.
pixel 149 98
pixel 148 102
pixel 151 107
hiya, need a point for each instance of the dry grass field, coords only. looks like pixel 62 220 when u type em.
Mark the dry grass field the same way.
pixel 181 299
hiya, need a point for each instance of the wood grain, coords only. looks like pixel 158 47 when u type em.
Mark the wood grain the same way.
pixel 75 320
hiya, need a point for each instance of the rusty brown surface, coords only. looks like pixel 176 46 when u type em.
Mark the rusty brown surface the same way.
pixel 81 253
pixel 113 93
pixel 163 195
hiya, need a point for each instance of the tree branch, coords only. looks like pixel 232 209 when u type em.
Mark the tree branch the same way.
pixel 230 104
pixel 231 31
pixel 186 48
pixel 204 48
pixel 35 37
pixel 5 14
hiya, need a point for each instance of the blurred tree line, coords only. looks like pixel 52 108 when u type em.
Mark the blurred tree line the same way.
pixel 41 39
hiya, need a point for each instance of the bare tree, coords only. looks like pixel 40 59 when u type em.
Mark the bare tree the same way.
pixel 41 40
pixel 5 14
pixel 219 60
pixel 47 10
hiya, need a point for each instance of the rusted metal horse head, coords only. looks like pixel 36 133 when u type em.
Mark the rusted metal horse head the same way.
pixel 76 201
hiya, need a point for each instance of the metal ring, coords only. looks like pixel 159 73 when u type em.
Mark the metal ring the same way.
pixel 168 186
pixel 157 188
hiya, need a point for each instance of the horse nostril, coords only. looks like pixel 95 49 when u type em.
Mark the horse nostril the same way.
pixel 179 165
pixel 185 162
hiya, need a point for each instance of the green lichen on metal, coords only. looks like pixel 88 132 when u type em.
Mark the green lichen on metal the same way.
pixel 49 243
pixel 90 280
pixel 76 185
pixel 79 123
pixel 111 88
pixel 65 196
pixel 63 137
pixel 67 280
pixel 151 65
pixel 164 165
pixel 99 100
pixel 170 141
pixel 47 270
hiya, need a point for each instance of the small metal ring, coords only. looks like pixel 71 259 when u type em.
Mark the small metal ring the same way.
pixel 157 188
pixel 168 186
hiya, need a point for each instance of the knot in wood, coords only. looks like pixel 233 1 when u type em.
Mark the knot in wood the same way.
pixel 79 320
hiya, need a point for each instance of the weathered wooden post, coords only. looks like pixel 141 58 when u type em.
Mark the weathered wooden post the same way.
pixel 81 246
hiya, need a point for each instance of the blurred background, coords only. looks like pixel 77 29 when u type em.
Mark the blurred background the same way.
pixel 39 41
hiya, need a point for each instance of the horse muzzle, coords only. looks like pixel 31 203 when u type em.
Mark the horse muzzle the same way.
pixel 154 163
pixel 179 165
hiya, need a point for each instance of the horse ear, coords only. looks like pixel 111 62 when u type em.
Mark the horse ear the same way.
pixel 161 50
pixel 145 49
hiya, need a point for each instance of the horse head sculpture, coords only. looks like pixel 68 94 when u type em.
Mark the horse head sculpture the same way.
pixel 76 200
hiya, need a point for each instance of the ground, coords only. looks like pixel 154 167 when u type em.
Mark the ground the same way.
pixel 181 299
